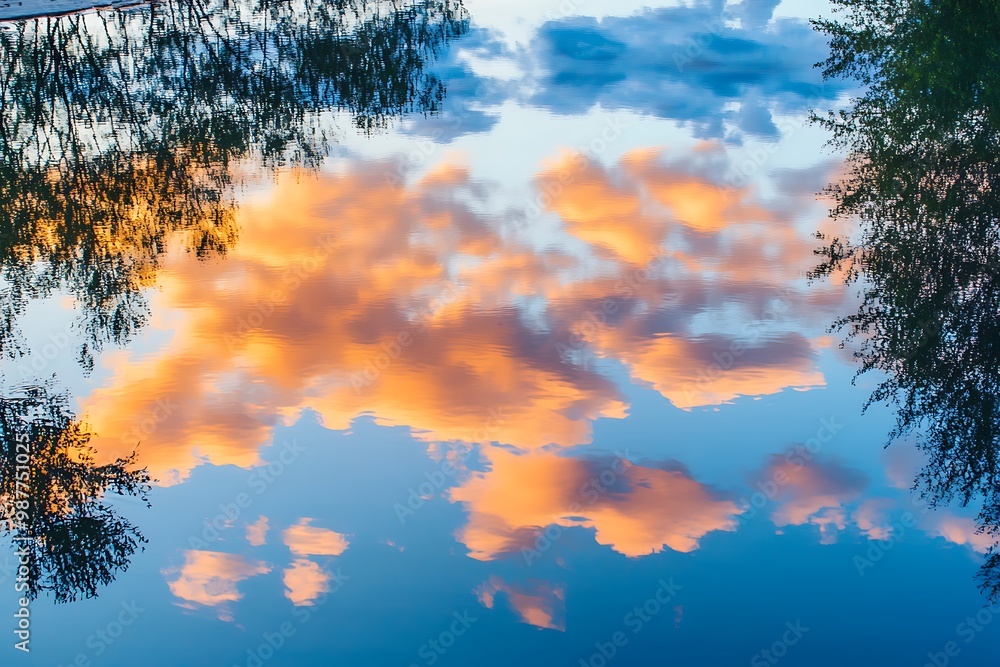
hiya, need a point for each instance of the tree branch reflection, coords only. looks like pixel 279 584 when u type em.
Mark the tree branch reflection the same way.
pixel 123 130
pixel 71 540
pixel 923 144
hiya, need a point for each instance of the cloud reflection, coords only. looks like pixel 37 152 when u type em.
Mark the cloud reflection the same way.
pixel 726 70
pixel 351 295
pixel 305 581
pixel 306 540
pixel 815 493
pixel 635 510
pixel 539 604
pixel 209 578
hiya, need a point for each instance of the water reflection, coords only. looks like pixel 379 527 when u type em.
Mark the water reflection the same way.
pixel 123 136
pixel 210 579
pixel 70 538
pixel 540 603
pixel 122 132
pixel 635 509
pixel 470 385
pixel 924 142
pixel 425 311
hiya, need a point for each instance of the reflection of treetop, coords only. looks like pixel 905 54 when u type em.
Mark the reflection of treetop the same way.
pixel 221 79
pixel 52 495
pixel 923 145
pixel 119 130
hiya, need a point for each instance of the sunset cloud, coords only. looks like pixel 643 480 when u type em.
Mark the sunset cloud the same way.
pixel 257 532
pixel 539 604
pixel 959 530
pixel 304 539
pixel 210 578
pixel 816 493
pixel 633 509
pixel 305 581
pixel 348 295
pixel 872 518
pixel 712 370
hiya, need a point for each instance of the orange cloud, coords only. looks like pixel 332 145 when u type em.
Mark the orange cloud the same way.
pixel 209 578
pixel 960 530
pixel 701 248
pixel 872 518
pixel 711 370
pixel 350 296
pixel 539 604
pixel 815 493
pixel 693 199
pixel 633 509
pixel 348 319
pixel 306 540
pixel 605 215
pixel 305 581
pixel 257 532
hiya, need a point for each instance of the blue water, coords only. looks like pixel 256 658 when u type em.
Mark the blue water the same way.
pixel 502 351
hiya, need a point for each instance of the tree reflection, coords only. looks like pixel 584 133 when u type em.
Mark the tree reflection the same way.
pixel 53 497
pixel 924 142
pixel 124 132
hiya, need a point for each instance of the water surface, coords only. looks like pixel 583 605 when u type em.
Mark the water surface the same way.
pixel 452 334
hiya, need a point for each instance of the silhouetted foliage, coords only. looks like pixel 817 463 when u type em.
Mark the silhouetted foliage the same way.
pixel 924 157
pixel 52 493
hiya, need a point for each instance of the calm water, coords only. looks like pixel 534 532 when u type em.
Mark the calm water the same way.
pixel 483 334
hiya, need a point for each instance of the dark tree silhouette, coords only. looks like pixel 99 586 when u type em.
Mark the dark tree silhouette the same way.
pixel 53 498
pixel 924 157
pixel 122 130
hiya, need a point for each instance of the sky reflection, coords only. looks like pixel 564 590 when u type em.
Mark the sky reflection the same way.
pixel 478 385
